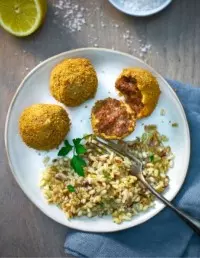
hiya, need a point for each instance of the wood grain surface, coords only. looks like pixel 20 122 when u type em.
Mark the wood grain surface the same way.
pixel 174 39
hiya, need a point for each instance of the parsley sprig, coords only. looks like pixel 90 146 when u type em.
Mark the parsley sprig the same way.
pixel 77 162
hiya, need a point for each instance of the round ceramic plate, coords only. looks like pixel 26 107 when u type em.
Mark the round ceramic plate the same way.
pixel 26 164
pixel 143 12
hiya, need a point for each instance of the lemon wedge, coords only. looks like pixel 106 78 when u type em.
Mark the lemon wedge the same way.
pixel 22 17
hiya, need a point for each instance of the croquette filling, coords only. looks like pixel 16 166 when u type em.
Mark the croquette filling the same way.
pixel 113 118
pixel 133 96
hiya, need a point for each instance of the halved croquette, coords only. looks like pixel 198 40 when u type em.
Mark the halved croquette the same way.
pixel 140 90
pixel 112 119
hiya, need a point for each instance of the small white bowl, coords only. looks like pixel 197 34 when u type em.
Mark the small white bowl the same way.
pixel 142 13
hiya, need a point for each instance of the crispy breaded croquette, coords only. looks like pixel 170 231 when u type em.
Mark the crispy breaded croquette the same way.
pixel 44 126
pixel 73 81
pixel 140 90
pixel 112 119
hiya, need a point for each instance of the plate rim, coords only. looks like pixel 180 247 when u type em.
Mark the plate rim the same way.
pixel 145 14
pixel 123 227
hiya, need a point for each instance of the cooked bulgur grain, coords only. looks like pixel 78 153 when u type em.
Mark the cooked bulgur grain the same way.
pixel 108 187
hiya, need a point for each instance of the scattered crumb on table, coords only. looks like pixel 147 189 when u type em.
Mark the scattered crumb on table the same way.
pixel 175 125
pixel 162 112
pixel 46 160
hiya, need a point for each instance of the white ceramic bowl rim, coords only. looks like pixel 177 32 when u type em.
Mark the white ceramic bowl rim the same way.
pixel 141 13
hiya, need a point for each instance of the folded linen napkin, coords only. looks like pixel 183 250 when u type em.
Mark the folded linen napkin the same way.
pixel 165 235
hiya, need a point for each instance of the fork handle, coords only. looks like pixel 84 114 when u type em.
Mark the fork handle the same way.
pixel 192 222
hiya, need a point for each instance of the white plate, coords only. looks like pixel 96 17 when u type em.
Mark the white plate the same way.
pixel 141 13
pixel 26 164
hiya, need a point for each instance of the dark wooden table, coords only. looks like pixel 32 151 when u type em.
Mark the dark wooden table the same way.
pixel 169 41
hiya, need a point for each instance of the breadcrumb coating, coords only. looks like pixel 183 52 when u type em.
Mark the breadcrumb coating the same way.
pixel 140 89
pixel 44 126
pixel 73 81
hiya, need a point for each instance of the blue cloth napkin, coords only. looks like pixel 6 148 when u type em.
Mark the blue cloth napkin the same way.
pixel 165 235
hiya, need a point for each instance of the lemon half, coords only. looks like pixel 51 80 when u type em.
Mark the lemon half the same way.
pixel 22 17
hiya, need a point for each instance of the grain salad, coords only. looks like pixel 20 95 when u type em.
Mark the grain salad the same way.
pixel 107 187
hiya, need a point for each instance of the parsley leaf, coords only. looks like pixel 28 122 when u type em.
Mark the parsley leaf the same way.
pixel 77 164
pixel 77 141
pixel 66 149
pixel 67 145
pixel 80 149
pixel 63 152
pixel 71 188
pixel 81 161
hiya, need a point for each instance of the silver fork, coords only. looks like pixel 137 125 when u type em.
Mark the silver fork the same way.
pixel 136 170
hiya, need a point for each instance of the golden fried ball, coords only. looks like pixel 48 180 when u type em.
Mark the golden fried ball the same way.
pixel 73 81
pixel 44 126
pixel 140 89
pixel 112 119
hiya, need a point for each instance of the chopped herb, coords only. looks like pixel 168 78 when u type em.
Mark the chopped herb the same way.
pixel 164 138
pixel 151 158
pixel 146 137
pixel 106 175
pixel 148 128
pixel 175 125
pixel 101 204
pixel 71 188
pixel 78 164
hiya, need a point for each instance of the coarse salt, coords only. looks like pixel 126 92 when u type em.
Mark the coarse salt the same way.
pixel 140 5
pixel 73 14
